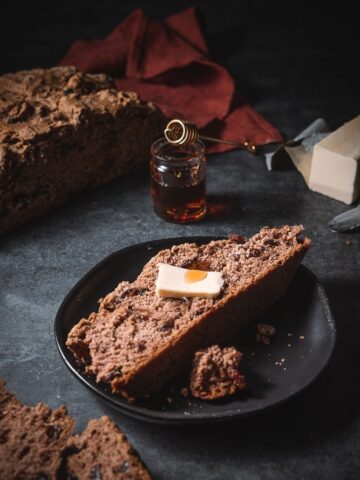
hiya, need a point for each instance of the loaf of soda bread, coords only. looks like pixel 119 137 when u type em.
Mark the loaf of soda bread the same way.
pixel 63 132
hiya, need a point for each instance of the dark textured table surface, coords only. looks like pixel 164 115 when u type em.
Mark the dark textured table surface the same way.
pixel 293 69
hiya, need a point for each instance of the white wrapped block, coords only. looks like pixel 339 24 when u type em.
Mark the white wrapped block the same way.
pixel 335 166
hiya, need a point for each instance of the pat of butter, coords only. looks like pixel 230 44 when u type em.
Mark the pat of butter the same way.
pixel 335 167
pixel 181 282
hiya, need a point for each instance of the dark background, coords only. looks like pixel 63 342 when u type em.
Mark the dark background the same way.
pixel 295 61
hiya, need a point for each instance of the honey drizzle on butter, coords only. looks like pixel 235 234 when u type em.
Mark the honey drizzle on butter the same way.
pixel 192 276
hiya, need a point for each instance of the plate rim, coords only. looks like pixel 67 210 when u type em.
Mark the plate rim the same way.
pixel 158 417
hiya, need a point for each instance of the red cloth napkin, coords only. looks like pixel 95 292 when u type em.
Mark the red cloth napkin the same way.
pixel 168 63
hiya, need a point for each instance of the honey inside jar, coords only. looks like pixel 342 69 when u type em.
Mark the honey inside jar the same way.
pixel 178 181
pixel 192 276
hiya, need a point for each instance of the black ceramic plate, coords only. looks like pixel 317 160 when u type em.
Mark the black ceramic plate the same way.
pixel 304 341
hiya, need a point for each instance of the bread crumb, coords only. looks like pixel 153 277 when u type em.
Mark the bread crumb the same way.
pixel 264 333
pixel 184 392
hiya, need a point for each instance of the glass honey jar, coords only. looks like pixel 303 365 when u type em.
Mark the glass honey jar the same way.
pixel 178 181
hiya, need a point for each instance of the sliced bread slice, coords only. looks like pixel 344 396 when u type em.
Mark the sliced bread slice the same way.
pixel 137 340
pixel 103 452
pixel 32 439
